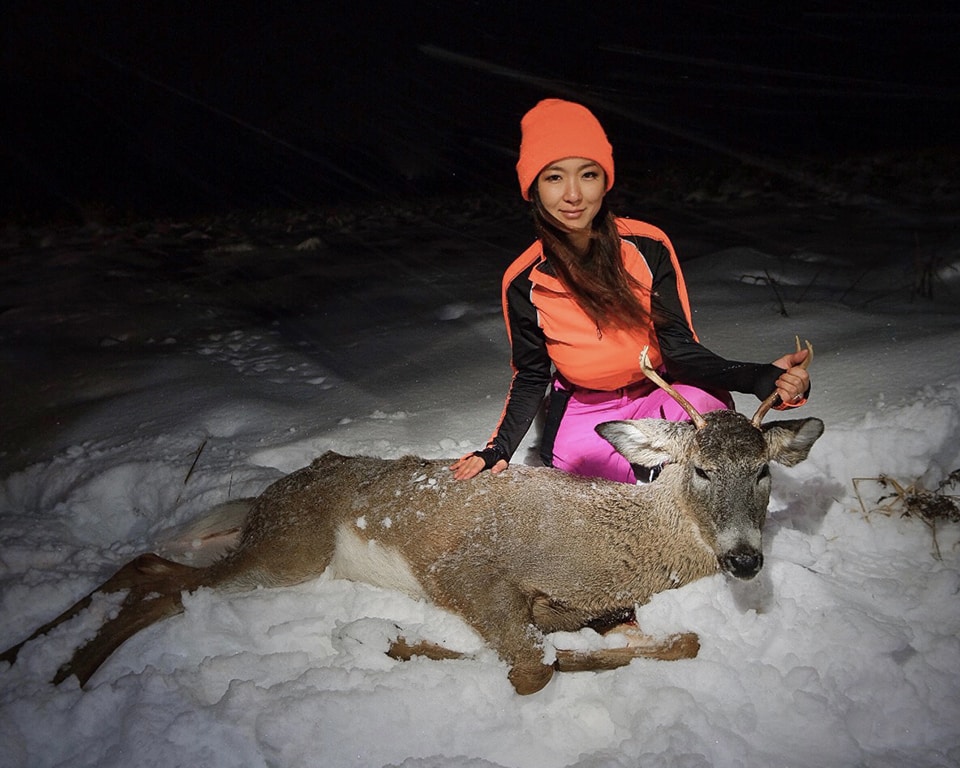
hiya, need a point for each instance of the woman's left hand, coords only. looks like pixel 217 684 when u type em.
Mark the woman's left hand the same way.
pixel 794 382
pixel 472 465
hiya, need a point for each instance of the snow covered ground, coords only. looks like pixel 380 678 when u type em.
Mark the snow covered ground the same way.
pixel 156 369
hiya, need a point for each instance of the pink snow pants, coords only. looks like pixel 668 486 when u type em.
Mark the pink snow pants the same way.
pixel 580 450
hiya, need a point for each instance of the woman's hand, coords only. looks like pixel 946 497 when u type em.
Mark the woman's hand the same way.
pixel 794 382
pixel 471 465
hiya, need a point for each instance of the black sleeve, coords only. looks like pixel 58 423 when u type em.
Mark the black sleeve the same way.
pixel 532 372
pixel 686 359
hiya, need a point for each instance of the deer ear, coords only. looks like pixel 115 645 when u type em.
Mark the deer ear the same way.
pixel 648 442
pixel 789 442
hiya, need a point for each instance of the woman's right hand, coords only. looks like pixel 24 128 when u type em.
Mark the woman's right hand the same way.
pixel 472 465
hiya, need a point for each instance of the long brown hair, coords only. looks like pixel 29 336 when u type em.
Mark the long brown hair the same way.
pixel 599 282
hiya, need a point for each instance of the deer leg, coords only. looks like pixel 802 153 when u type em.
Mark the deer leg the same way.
pixel 685 645
pixel 155 586
pixel 679 646
pixel 137 571
pixel 551 616
pixel 503 616
pixel 10 655
pixel 136 613
pixel 402 650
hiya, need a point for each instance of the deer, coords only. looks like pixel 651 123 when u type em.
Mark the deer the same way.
pixel 518 555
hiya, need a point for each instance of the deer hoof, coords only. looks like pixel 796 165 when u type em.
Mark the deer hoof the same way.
pixel 683 646
pixel 530 678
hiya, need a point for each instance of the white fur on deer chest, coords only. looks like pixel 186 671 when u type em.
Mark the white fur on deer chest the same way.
pixel 359 559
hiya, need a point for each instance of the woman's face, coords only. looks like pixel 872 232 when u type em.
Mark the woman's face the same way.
pixel 571 190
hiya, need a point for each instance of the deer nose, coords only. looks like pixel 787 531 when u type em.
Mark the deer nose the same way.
pixel 743 565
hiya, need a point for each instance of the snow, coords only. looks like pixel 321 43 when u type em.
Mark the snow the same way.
pixel 157 369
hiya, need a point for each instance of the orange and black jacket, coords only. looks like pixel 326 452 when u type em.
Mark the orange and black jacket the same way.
pixel 548 331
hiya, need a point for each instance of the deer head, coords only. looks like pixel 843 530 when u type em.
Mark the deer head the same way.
pixel 718 468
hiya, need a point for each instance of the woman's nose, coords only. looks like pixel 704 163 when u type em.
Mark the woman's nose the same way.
pixel 571 192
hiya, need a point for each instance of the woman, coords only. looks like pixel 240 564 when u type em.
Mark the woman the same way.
pixel 583 301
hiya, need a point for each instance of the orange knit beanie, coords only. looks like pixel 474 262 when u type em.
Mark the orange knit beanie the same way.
pixel 555 129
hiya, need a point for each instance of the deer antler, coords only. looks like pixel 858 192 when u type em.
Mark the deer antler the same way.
pixel 767 404
pixel 695 416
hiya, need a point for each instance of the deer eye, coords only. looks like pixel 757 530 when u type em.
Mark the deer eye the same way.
pixel 701 473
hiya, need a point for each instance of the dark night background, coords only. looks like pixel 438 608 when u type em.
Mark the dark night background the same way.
pixel 155 108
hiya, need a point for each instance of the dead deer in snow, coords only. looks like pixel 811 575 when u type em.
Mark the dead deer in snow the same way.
pixel 517 555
